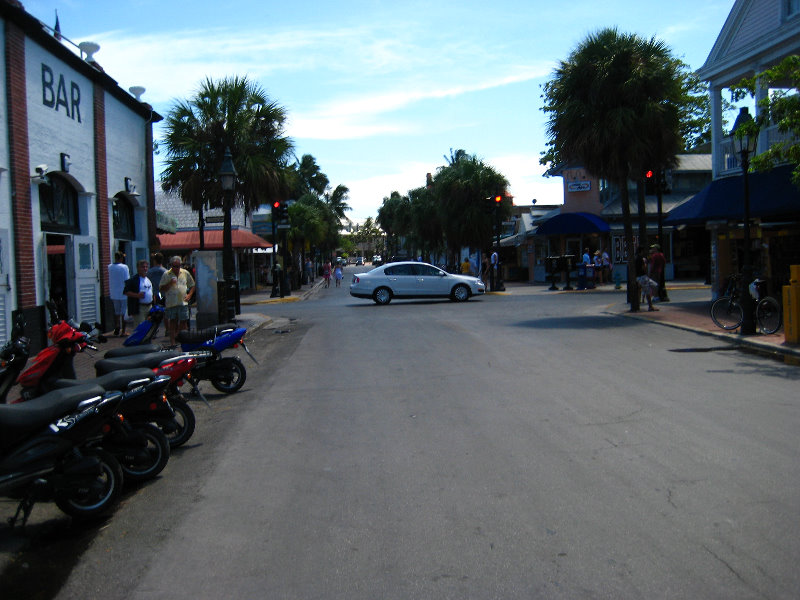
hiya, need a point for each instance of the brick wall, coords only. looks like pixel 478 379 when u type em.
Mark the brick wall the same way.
pixel 19 160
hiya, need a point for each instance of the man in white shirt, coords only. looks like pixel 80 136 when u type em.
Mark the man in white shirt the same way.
pixel 117 275
pixel 139 290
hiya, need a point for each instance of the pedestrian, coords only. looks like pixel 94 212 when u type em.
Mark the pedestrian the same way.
pixel 647 285
pixel 466 269
pixel 177 286
pixel 309 268
pixel 657 267
pixel 155 273
pixel 326 273
pixel 598 267
pixel 494 274
pixel 605 261
pixel 139 290
pixel 485 268
pixel 337 274
pixel 118 274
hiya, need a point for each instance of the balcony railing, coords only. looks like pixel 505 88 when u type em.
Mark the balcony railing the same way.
pixel 728 161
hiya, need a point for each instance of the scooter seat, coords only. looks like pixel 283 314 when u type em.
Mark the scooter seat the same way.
pixel 18 420
pixel 115 380
pixel 198 336
pixel 131 350
pixel 150 361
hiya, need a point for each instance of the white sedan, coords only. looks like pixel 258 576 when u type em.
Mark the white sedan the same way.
pixel 413 280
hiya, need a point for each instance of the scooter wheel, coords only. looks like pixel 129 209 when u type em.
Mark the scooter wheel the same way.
pixel 180 429
pixel 148 460
pixel 92 496
pixel 233 380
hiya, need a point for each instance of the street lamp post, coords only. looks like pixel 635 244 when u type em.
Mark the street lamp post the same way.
pixel 227 178
pixel 744 139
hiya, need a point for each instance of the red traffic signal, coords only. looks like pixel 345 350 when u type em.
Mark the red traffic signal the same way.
pixel 649 174
pixel 498 199
pixel 276 205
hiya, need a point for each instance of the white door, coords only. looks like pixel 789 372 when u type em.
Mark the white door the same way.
pixel 82 257
pixel 5 285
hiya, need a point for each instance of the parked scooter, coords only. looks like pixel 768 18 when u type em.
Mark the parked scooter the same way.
pixel 178 367
pixel 172 414
pixel 141 448
pixel 13 357
pixel 226 373
pixel 47 453
pixel 145 331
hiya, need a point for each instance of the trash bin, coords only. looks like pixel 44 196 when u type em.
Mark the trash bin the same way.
pixel 567 263
pixel 581 277
pixel 228 301
pixel 590 277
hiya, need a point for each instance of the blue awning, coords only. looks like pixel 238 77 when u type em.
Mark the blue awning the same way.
pixel 772 196
pixel 571 223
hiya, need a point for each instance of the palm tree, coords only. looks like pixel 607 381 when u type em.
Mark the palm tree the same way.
pixel 337 200
pixel 462 190
pixel 613 106
pixel 233 113
pixel 310 177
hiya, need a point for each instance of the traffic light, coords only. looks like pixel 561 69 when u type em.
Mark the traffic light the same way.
pixel 280 211
pixel 498 199
pixel 649 183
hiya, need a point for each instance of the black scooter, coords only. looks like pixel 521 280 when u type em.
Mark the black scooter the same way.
pixel 49 452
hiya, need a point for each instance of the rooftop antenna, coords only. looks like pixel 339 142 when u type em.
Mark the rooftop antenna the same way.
pixel 137 92
pixel 89 49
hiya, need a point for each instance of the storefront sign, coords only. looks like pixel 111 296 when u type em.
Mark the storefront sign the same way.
pixel 54 94
pixel 579 186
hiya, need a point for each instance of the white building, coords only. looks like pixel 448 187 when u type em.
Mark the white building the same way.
pixel 76 175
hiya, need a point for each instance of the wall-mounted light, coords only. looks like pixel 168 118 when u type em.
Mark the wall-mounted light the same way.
pixel 65 162
pixel 130 187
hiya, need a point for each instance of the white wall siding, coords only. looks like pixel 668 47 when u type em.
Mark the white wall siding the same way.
pixel 761 17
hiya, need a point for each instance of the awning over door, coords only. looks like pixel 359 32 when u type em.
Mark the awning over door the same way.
pixel 572 223
pixel 190 240
pixel 772 196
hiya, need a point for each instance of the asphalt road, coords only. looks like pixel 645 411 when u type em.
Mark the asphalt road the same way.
pixel 508 447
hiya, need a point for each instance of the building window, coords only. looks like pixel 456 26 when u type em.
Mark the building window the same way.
pixel 122 214
pixel 58 205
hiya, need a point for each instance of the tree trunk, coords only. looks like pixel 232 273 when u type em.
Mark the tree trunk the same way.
pixel 641 206
pixel 632 287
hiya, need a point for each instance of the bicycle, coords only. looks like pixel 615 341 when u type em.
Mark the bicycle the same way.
pixel 727 312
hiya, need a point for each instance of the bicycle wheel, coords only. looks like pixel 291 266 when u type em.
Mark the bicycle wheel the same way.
pixel 726 313
pixel 768 315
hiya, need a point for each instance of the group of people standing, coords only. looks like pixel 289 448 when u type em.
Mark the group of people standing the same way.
pixel 601 264
pixel 173 288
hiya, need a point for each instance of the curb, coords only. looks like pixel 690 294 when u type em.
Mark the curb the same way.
pixel 739 341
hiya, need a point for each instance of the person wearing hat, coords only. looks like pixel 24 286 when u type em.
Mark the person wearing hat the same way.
pixel 598 268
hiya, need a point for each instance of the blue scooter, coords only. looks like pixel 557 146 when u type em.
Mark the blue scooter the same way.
pixel 226 373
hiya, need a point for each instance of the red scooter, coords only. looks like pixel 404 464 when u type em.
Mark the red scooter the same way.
pixel 54 365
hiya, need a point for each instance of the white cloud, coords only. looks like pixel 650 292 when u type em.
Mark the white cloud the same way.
pixel 524 174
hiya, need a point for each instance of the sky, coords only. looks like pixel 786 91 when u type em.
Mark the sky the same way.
pixel 380 92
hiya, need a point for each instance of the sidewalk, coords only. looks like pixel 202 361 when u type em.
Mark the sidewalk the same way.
pixel 681 313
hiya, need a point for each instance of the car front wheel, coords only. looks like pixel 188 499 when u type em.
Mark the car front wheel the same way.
pixel 382 295
pixel 460 293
